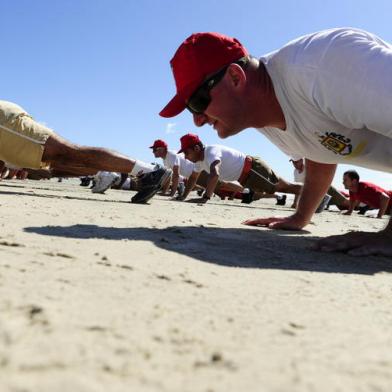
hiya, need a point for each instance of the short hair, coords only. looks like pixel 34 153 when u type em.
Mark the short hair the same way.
pixel 243 62
pixel 352 174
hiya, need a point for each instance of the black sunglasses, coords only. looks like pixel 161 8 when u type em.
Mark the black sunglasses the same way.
pixel 201 98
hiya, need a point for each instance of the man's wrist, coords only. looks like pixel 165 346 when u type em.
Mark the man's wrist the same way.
pixel 303 219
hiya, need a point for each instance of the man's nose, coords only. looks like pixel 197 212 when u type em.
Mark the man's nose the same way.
pixel 199 119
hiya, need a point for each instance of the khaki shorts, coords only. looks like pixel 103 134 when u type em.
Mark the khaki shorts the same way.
pixel 337 198
pixel 261 178
pixel 22 139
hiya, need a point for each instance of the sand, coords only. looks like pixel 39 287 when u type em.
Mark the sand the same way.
pixel 97 294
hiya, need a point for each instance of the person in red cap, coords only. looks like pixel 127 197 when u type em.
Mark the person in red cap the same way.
pixel 325 96
pixel 181 168
pixel 226 165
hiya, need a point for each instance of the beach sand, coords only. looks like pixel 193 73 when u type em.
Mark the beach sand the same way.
pixel 97 294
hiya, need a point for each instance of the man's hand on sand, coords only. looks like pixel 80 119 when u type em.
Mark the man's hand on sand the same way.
pixel 278 222
pixel 358 243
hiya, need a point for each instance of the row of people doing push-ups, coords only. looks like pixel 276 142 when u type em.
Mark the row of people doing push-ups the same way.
pixel 233 174
pixel 325 96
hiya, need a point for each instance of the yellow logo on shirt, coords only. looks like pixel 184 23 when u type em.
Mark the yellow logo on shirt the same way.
pixel 358 150
pixel 339 144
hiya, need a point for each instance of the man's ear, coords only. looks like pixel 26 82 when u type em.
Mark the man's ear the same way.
pixel 236 74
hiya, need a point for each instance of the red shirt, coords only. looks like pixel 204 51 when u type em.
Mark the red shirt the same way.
pixel 370 194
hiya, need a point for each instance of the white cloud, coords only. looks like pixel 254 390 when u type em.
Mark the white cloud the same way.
pixel 170 128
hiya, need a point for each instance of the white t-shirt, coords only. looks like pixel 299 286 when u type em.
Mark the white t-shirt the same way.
pixel 232 162
pixel 299 176
pixel 185 167
pixel 335 90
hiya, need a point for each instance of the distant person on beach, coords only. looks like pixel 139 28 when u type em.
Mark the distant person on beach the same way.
pixel 26 143
pixel 365 192
pixel 227 165
pixel 326 96
pixel 12 173
pixel 181 167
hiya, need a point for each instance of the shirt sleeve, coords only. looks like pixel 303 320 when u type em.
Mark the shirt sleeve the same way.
pixel 176 160
pixel 375 190
pixel 197 167
pixel 213 153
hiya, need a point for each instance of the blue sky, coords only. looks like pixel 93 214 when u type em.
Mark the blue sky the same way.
pixel 97 71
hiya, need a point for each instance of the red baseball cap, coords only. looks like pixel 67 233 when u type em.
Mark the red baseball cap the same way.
pixel 188 140
pixel 199 56
pixel 159 143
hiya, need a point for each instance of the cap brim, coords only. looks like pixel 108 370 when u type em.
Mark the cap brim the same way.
pixel 173 108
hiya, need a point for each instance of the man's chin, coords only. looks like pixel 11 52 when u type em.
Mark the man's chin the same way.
pixel 222 136
pixel 224 133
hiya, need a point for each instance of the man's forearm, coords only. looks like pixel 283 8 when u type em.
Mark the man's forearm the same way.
pixel 318 179
pixel 166 187
pixel 383 206
pixel 189 185
pixel 175 181
pixel 351 207
pixel 211 184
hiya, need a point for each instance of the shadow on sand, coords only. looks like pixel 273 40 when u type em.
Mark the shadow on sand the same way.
pixel 33 193
pixel 231 247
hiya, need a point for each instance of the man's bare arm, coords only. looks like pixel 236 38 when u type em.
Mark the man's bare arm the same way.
pixel 175 180
pixel 318 179
pixel 352 205
pixel 212 178
pixel 384 201
pixel 189 185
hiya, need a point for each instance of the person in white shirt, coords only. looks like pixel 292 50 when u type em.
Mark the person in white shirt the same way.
pixel 227 165
pixel 181 167
pixel 299 176
pixel 326 96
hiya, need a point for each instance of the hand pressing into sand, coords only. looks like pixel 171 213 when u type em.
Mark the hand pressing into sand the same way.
pixel 318 178
pixel 293 222
pixel 358 243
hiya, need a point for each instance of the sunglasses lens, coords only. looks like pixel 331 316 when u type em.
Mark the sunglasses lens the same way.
pixel 199 101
